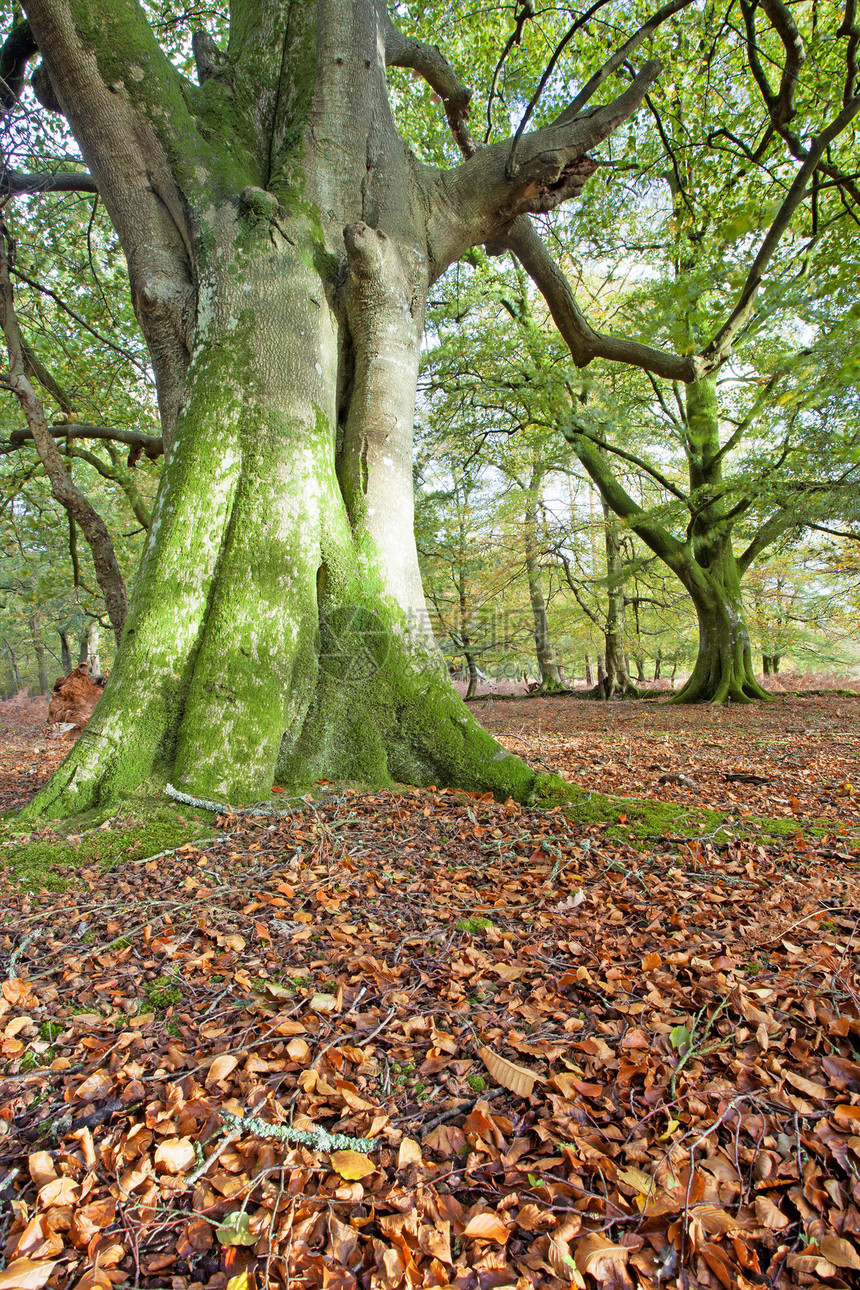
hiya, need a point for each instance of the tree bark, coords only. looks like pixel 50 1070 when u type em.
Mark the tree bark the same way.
pixel 65 651
pixel 13 668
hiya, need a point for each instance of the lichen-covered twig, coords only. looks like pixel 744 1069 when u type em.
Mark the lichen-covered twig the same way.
pixel 316 1139
pixel 223 808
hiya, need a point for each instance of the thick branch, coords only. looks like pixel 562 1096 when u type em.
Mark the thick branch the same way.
pixel 655 536
pixel 16 51
pixel 431 63
pixel 108 573
pixel 138 153
pixel 150 444
pixel 766 536
pixel 19 183
pixel 582 340
pixel 123 477
pixel 476 201
pixel 638 462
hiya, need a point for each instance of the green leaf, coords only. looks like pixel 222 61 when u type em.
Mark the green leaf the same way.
pixel 681 1039
pixel 236 1230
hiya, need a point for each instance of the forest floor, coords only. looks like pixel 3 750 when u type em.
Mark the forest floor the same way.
pixel 616 1046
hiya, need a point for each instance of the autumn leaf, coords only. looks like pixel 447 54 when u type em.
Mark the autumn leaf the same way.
pixel 18 992
pixel 26 1274
pixel 602 1259
pixel 221 1068
pixel 174 1155
pixel 351 1164
pixel 840 1252
pixel 518 1079
pixel 487 1226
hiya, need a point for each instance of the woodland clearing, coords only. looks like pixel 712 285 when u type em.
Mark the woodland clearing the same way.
pixel 611 1046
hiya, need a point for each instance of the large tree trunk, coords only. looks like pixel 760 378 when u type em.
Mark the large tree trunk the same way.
pixel 278 627
pixel 724 668
pixel 705 562
pixel 724 664
pixel 281 242
pixel 278 630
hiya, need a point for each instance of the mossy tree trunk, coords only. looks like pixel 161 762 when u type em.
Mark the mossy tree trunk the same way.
pixel 704 561
pixel 281 242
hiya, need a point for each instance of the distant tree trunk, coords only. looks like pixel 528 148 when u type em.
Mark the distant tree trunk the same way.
pixel 766 664
pixel 465 640
pixel 616 682
pixel 83 648
pixel 658 663
pixel 13 667
pixel 93 648
pixel 65 651
pixel 640 667
pixel 589 675
pixel 776 659
pixel 549 675
pixel 472 666
pixel 39 651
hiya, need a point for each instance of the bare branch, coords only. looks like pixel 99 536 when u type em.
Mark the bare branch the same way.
pixel 720 347
pixel 526 12
pixel 619 58
pixel 73 313
pixel 575 26
pixel 851 30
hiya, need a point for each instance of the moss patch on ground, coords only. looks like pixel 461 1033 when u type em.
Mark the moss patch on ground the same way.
pixel 143 827
pixel 629 819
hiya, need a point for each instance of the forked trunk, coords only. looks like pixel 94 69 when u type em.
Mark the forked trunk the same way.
pixel 278 630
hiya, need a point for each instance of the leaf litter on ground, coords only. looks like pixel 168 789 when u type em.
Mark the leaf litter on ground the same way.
pixel 544 1055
